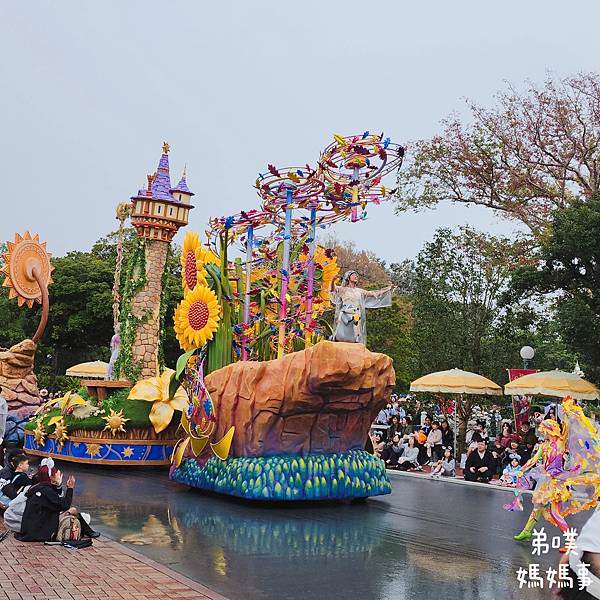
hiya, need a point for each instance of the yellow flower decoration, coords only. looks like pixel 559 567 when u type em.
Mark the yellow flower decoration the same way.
pixel 64 403
pixel 39 433
pixel 115 421
pixel 60 431
pixel 156 389
pixel 193 258
pixel 196 318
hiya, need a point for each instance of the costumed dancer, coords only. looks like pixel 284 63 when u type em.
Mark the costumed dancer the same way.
pixel 351 302
pixel 568 476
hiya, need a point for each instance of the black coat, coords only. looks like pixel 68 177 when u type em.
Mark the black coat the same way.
pixel 474 460
pixel 447 438
pixel 43 508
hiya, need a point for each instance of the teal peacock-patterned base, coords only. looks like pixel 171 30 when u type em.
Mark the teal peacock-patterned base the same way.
pixel 345 475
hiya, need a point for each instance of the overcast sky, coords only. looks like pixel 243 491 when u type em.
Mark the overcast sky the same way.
pixel 89 91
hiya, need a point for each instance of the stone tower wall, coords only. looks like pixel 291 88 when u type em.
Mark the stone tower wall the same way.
pixel 147 302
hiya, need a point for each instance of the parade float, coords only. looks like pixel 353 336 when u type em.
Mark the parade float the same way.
pixel 290 390
pixel 101 423
pixel 275 393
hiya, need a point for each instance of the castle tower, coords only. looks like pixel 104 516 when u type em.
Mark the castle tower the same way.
pixel 157 214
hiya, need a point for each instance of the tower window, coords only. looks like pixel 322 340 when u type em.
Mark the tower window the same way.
pixel 171 211
pixel 158 209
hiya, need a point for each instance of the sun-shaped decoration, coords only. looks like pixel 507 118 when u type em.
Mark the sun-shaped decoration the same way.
pixel 93 450
pixel 193 259
pixel 196 318
pixel 115 421
pixel 24 255
pixel 39 433
pixel 60 433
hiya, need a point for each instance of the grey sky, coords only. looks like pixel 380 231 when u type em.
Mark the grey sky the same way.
pixel 91 89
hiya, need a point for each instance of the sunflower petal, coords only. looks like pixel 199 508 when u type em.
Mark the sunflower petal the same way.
pixel 146 389
pixel 160 416
pixel 180 400
pixel 165 382
pixel 179 450
pixel 198 444
pixel 222 447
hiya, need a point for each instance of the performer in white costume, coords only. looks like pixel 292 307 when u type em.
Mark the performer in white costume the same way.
pixel 351 302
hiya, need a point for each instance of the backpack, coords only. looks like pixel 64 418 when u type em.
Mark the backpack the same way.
pixel 13 515
pixel 9 489
pixel 69 528
pixel 14 434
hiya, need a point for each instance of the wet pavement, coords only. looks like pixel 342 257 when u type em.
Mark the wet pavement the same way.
pixel 429 539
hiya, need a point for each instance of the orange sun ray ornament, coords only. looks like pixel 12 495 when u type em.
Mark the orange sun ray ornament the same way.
pixel 28 273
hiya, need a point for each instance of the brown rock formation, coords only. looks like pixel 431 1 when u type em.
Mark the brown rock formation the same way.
pixel 323 399
pixel 18 382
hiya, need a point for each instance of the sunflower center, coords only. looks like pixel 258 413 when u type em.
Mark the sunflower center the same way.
pixel 198 315
pixel 191 275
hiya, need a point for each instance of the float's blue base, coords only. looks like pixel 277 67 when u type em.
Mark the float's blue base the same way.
pixel 104 451
pixel 345 475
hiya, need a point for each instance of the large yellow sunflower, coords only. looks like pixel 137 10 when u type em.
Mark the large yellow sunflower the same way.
pixel 192 267
pixel 196 317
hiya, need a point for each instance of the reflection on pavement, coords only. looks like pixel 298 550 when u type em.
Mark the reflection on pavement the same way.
pixel 412 545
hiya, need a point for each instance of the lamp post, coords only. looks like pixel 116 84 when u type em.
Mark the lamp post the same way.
pixel 527 353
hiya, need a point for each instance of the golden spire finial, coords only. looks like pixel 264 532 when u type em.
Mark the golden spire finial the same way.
pixel 166 148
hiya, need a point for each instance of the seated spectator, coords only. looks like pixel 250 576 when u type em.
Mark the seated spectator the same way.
pixel 378 443
pixel 394 423
pixel 513 448
pixel 45 504
pixel 478 434
pixel 18 481
pixel 382 417
pixel 445 466
pixel 507 436
pixel 510 474
pixel 480 464
pixel 392 451
pixel 426 427
pixel 410 454
pixel 528 441
pixel 447 434
pixel 406 426
pixel 433 444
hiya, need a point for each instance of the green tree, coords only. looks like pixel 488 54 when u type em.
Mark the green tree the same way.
pixel 567 275
pixel 459 279
pixel 80 322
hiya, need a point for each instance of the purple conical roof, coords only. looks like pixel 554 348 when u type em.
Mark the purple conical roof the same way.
pixel 162 181
pixel 182 186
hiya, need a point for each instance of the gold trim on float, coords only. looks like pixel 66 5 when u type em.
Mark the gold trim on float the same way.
pixel 86 440
pixel 92 461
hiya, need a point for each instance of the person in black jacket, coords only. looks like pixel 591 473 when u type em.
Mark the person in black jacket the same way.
pixel 447 434
pixel 20 478
pixel 45 503
pixel 480 464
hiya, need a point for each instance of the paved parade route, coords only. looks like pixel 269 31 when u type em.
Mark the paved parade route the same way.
pixel 428 539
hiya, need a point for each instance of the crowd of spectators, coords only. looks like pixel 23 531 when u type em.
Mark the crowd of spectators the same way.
pixel 411 444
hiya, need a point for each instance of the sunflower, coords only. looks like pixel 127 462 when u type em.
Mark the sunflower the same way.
pixel 196 318
pixel 193 259
pixel 326 261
